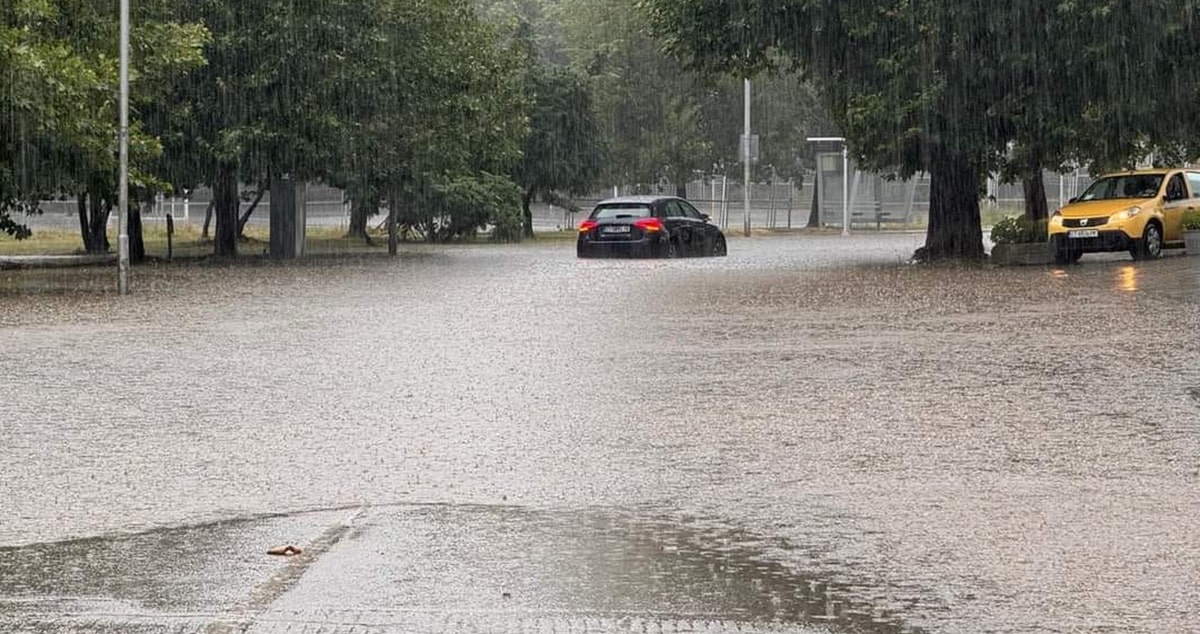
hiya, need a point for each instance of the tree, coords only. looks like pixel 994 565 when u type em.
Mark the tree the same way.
pixel 1105 121
pixel 62 106
pixel 267 103
pixel 899 78
pixel 43 77
pixel 949 87
pixel 648 106
pixel 786 111
pixel 564 151
pixel 432 113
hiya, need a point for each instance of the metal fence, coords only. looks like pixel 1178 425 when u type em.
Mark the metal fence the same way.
pixel 874 202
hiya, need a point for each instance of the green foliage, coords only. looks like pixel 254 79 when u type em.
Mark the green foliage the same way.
pixel 431 108
pixel 450 208
pixel 949 87
pixel 1019 230
pixel 60 61
pixel 564 152
pixel 1191 221
pixel 660 122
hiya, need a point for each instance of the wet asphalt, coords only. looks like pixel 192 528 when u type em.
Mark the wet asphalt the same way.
pixel 807 436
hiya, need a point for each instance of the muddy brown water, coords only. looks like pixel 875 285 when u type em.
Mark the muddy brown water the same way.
pixel 963 449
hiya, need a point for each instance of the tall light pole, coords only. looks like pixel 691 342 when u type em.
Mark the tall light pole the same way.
pixel 846 189
pixel 123 177
pixel 746 157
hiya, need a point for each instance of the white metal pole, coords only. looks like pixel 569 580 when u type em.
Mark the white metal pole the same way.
pixel 712 202
pixel 725 201
pixel 845 189
pixel 746 167
pixel 123 178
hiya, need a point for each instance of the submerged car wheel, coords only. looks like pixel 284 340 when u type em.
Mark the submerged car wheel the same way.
pixel 1150 247
pixel 671 251
pixel 719 250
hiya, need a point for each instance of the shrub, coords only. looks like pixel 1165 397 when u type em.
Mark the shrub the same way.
pixel 1191 221
pixel 1019 230
pixel 453 207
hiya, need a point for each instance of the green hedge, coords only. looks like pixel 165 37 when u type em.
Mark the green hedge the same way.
pixel 1019 230
pixel 1191 221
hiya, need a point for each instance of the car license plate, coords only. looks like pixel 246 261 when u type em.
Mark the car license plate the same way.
pixel 1084 233
pixel 617 229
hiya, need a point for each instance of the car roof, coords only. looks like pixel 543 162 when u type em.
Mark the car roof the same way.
pixel 635 200
pixel 1158 171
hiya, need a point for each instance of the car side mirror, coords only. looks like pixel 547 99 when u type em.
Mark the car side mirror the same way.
pixel 1073 201
pixel 705 217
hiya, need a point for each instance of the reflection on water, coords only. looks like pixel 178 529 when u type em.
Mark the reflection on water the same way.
pixel 409 564
pixel 1127 279
pixel 940 432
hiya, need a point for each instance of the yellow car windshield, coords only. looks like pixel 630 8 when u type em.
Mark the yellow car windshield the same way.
pixel 1127 186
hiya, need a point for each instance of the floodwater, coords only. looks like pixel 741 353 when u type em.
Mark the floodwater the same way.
pixel 806 434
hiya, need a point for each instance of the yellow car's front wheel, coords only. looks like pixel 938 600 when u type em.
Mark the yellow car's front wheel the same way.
pixel 1150 246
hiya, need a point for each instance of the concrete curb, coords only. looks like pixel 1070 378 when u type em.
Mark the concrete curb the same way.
pixel 54 261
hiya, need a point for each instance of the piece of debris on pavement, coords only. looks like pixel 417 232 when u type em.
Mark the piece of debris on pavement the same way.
pixel 284 551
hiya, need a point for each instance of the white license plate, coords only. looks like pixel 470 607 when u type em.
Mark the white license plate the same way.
pixel 1084 233
pixel 617 229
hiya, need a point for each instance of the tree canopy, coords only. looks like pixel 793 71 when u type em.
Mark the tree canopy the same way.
pixel 949 87
pixel 58 135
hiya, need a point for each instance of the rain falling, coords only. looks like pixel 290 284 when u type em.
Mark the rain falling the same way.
pixel 767 316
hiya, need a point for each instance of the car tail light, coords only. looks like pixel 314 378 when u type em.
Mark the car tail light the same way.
pixel 587 225
pixel 650 225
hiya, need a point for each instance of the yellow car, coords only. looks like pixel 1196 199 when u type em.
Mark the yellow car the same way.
pixel 1139 211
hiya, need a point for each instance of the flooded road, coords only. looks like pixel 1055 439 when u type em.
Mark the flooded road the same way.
pixel 808 435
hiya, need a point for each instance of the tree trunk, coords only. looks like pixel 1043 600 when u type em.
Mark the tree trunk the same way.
pixel 241 226
pixel 81 204
pixel 527 209
pixel 681 190
pixel 393 229
pixel 1036 207
pixel 227 203
pixel 208 214
pixel 361 211
pixel 137 245
pixel 954 222
pixel 814 216
pixel 101 226
pixel 95 238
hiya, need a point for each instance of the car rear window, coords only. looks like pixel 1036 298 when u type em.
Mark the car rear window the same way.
pixel 621 211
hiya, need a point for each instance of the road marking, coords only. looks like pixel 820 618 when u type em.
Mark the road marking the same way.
pixel 266 593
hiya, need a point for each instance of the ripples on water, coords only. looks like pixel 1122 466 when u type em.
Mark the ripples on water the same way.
pixel 1014 449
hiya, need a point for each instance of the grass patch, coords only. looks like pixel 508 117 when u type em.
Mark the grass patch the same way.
pixel 189 244
pixel 43 243
pixel 990 216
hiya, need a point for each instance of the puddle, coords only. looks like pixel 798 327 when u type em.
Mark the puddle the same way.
pixel 404 568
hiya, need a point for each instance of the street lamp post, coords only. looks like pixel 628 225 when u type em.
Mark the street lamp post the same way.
pixel 846 189
pixel 123 177
pixel 746 158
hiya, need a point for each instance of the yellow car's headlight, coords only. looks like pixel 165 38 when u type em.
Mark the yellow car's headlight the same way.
pixel 1127 214
pixel 1056 218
